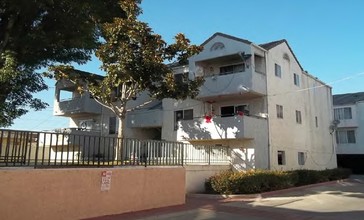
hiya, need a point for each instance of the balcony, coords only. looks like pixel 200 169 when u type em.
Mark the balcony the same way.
pixel 346 116
pixel 231 76
pixel 233 85
pixel 79 106
pixel 348 123
pixel 145 118
pixel 237 127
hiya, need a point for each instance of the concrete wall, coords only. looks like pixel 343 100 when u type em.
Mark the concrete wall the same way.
pixel 76 193
pixel 197 174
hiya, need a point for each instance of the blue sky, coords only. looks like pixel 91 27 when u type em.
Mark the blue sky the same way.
pixel 327 36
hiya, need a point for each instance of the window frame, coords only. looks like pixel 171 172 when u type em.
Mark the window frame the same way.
pixel 301 158
pixel 181 77
pixel 316 121
pixel 298 117
pixel 244 106
pixel 279 110
pixel 277 70
pixel 296 79
pixel 182 118
pixel 346 136
pixel 340 113
pixel 281 157
pixel 113 125
pixel 234 67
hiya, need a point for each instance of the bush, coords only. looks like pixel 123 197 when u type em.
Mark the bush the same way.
pixel 257 181
pixel 220 181
pixel 306 177
pixel 248 182
pixel 338 173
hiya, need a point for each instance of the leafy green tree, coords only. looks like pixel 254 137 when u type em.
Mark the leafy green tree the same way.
pixel 134 59
pixel 37 33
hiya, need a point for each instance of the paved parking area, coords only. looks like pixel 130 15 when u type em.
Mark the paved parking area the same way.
pixel 335 200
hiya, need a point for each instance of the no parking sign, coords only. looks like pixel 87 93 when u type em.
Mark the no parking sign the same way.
pixel 106 180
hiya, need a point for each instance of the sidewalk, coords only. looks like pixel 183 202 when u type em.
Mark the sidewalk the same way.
pixel 330 200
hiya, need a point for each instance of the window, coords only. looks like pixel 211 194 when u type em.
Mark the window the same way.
pixel 301 158
pixel 316 122
pixel 342 113
pixel 281 158
pixel 296 79
pixel 279 111
pixel 188 114
pixel 229 111
pixel 345 137
pixel 224 70
pixel 65 95
pixel 277 70
pixel 298 117
pixel 259 63
pixel 182 115
pixel 181 77
pixel 112 125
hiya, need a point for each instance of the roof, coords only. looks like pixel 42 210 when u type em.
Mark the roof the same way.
pixel 226 36
pixel 273 44
pixel 348 98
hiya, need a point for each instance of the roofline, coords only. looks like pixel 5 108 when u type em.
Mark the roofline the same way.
pixel 259 47
pixel 279 42
pixel 315 78
pixel 227 36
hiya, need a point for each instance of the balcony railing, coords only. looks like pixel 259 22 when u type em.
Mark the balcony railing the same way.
pixel 235 84
pixel 236 127
pixel 145 118
pixel 50 149
pixel 80 105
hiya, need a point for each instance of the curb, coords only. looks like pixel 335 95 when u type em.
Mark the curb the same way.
pixel 223 197
pixel 261 195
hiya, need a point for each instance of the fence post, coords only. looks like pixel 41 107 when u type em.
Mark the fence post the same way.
pixel 209 155
pixel 36 151
pixel 182 152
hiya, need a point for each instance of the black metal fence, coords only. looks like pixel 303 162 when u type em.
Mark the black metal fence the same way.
pixel 50 149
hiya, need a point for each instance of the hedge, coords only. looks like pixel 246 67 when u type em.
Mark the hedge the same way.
pixel 258 181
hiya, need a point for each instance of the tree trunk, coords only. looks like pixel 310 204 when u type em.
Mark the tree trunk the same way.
pixel 120 147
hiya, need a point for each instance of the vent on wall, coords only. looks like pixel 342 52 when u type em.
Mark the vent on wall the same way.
pixel 86 125
pixel 286 56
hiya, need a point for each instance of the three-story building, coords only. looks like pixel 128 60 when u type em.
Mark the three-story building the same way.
pixel 349 113
pixel 256 100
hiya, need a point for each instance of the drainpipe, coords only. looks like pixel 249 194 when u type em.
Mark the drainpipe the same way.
pixel 268 125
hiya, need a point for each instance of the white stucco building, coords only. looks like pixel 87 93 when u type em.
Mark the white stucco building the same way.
pixel 349 113
pixel 257 100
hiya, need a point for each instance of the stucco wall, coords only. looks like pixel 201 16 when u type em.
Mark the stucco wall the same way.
pixel 313 99
pixel 357 124
pixel 76 193
pixel 197 174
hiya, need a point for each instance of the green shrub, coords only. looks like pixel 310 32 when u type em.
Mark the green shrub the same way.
pixel 305 177
pixel 338 173
pixel 248 182
pixel 221 182
pixel 257 181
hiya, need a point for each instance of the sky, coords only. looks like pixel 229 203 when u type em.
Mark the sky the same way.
pixel 327 37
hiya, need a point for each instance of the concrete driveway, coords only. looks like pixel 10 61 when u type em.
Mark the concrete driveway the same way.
pixel 334 200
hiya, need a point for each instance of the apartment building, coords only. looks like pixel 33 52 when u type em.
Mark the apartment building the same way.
pixel 349 113
pixel 256 100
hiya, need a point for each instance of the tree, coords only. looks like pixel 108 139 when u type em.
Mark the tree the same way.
pixel 36 33
pixel 134 57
